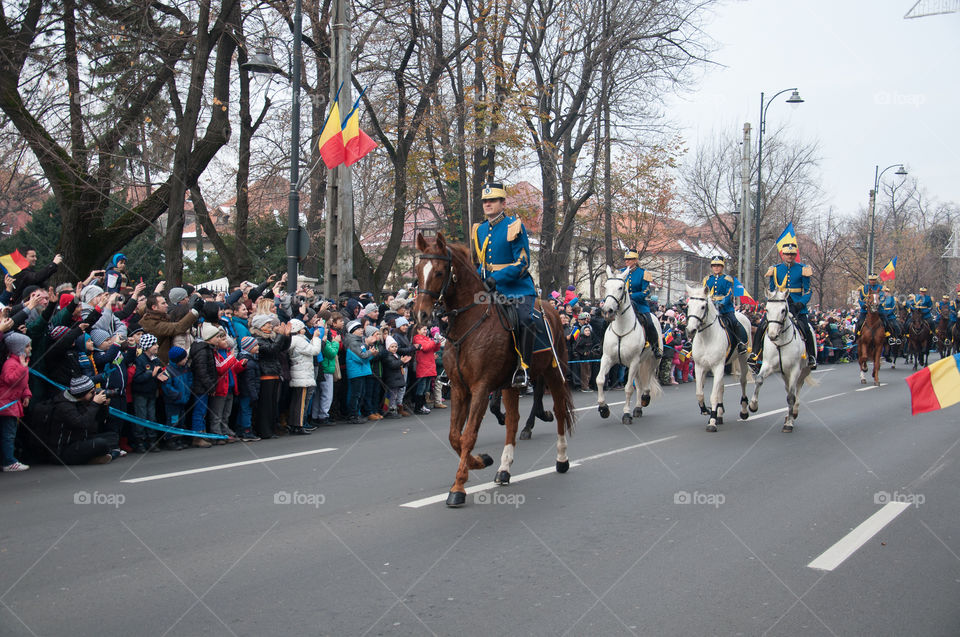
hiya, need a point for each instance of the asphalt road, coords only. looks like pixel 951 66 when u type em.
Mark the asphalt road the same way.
pixel 692 533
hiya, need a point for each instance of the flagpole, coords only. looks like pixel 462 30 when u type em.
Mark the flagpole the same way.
pixel 293 210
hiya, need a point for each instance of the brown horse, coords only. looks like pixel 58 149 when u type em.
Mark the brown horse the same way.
pixel 944 343
pixel 480 357
pixel 871 340
pixel 919 339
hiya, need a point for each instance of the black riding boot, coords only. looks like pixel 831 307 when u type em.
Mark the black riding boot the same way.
pixel 756 358
pixel 651 334
pixel 521 377
pixel 810 342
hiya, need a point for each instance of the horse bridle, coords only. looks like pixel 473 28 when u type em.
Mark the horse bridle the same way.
pixel 700 318
pixel 620 311
pixel 448 257
pixel 781 323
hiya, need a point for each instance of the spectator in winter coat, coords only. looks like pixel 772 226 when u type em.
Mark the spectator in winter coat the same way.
pixel 77 430
pixel 358 370
pixel 148 374
pixel 249 381
pixel 203 364
pixel 14 396
pixel 177 391
pixel 155 321
pixel 273 342
pixel 109 370
pixel 393 377
pixel 587 347
pixel 331 325
pixel 31 276
pixel 221 402
pixel 426 367
pixel 303 380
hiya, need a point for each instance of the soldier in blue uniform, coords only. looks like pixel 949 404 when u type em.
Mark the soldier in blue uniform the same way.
pixel 944 308
pixel 924 303
pixel 871 287
pixel 638 288
pixel 955 309
pixel 888 311
pixel 502 249
pixel 720 288
pixel 795 278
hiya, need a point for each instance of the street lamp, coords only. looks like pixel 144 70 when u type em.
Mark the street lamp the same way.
pixel 877 174
pixel 758 213
pixel 261 62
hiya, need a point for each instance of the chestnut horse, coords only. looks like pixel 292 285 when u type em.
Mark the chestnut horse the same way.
pixel 480 357
pixel 871 340
pixel 944 342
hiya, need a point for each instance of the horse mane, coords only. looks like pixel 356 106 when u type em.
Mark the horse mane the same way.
pixel 460 254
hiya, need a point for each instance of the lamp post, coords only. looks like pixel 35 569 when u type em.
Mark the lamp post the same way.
pixel 758 212
pixel 262 62
pixel 877 174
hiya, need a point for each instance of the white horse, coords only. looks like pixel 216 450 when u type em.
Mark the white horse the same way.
pixel 623 343
pixel 712 349
pixel 784 352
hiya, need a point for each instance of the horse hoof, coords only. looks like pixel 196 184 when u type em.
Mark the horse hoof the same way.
pixel 638 412
pixel 719 420
pixel 604 411
pixel 627 419
pixel 525 434
pixel 876 383
pixel 487 460
pixel 787 429
pixel 503 478
pixel 863 381
pixel 456 499
pixel 547 416
pixel 744 415
pixel 645 400
pixel 753 408
pixel 562 467
pixel 711 428
pixel 704 411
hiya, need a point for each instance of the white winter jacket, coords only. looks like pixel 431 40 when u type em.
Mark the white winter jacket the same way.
pixel 302 354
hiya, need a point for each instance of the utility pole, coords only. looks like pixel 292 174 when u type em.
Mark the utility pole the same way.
pixel 744 262
pixel 338 262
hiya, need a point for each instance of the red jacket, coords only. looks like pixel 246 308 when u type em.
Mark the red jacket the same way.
pixel 13 386
pixel 226 367
pixel 426 360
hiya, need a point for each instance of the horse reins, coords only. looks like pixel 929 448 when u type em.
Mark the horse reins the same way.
pixel 620 311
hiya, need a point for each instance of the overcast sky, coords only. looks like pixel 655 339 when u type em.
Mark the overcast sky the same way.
pixel 879 89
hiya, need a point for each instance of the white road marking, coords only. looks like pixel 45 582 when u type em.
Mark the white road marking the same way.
pixel 230 465
pixel 595 407
pixel 433 499
pixel 816 400
pixel 870 387
pixel 836 554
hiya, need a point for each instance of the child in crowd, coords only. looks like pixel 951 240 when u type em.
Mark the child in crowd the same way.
pixel 177 390
pixel 426 367
pixel 147 375
pixel 14 395
pixel 394 370
pixel 249 381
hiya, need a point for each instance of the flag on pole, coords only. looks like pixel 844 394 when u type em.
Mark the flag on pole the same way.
pixel 889 272
pixel 356 143
pixel 788 236
pixel 331 139
pixel 13 263
pixel 935 386
pixel 741 293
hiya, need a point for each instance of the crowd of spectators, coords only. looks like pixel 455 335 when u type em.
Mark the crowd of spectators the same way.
pixel 88 367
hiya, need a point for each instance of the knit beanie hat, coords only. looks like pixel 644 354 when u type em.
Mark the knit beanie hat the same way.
pixel 65 300
pixel 177 354
pixel 89 293
pixel 370 308
pixel 80 385
pixel 209 331
pixel 177 294
pixel 390 341
pixel 296 325
pixel 370 330
pixel 98 336
pixel 147 341
pixel 16 343
pixel 401 321
pixel 259 320
pixel 247 343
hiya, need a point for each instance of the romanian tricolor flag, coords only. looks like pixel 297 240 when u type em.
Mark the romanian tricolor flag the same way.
pixel 935 386
pixel 789 235
pixel 13 263
pixel 740 292
pixel 331 139
pixel 356 143
pixel 890 271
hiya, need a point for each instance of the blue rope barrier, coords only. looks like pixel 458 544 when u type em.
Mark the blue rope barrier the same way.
pixel 149 424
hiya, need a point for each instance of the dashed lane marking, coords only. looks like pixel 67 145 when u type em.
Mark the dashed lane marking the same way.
pixel 175 474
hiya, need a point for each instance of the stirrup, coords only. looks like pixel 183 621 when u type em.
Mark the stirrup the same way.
pixel 520 378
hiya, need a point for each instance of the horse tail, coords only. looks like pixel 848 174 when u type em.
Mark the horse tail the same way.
pixel 563 400
pixel 810 381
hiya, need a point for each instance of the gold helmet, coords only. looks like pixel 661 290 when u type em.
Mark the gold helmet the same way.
pixel 630 254
pixel 718 260
pixel 872 277
pixel 790 248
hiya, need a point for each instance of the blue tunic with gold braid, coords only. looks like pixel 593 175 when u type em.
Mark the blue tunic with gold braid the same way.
pixel 638 287
pixel 720 288
pixel 795 279
pixel 503 253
